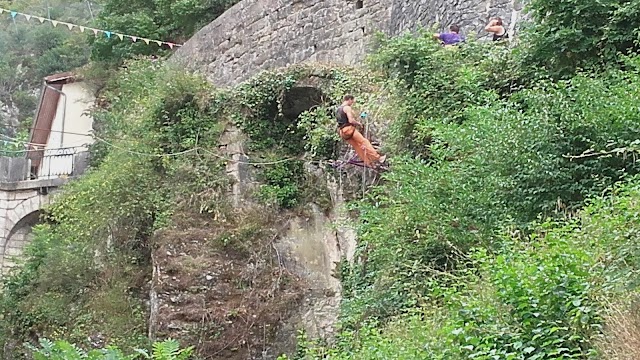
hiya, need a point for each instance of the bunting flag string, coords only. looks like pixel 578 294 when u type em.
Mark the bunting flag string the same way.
pixel 96 32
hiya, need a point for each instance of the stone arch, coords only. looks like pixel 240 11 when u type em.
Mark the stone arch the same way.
pixel 19 236
pixel 20 225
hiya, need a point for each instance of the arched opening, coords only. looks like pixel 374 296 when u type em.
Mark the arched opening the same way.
pixel 19 237
pixel 277 125
pixel 300 99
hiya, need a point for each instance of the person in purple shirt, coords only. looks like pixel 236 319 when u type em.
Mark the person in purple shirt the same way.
pixel 451 38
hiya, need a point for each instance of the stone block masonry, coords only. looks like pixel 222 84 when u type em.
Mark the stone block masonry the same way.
pixel 265 34
pixel 20 205
pixel 257 35
pixel 471 15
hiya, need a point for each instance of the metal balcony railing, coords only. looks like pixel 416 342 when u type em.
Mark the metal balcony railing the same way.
pixel 45 164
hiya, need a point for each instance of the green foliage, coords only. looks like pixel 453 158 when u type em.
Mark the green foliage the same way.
pixel 174 21
pixel 507 161
pixel 282 184
pixel 481 147
pixel 414 230
pixel 529 141
pixel 436 85
pixel 572 34
pixel 63 350
pixel 539 296
pixel 32 51
pixel 321 137
pixel 86 269
pixel 13 146
pixel 261 115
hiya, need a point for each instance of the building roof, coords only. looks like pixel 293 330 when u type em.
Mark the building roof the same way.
pixel 65 76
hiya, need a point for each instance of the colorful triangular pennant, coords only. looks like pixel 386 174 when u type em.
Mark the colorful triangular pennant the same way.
pixel 70 26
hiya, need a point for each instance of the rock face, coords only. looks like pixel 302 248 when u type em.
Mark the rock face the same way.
pixel 311 249
pixel 252 36
pixel 256 35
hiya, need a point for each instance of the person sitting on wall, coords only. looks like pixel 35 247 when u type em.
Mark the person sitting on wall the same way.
pixel 451 38
pixel 496 27
pixel 347 128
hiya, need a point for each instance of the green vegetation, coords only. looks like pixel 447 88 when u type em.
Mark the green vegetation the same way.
pixel 88 264
pixel 174 21
pixel 505 229
pixel 62 350
pixel 455 258
pixel 88 267
pixel 32 50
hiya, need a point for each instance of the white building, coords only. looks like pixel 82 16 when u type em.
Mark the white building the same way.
pixel 61 128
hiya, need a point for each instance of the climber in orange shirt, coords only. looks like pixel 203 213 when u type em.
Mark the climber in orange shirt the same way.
pixel 347 127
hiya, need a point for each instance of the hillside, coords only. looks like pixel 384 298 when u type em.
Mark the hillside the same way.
pixel 32 50
pixel 505 228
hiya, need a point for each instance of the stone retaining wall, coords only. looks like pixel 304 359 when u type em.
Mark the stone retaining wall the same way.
pixel 255 35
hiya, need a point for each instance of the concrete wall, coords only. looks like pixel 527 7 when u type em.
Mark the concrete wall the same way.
pixel 255 35
pixel 13 169
pixel 79 99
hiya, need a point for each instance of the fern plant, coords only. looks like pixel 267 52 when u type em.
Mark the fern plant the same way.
pixel 63 350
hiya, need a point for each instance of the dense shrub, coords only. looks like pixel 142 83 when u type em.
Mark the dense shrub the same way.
pixel 538 297
pixel 570 34
pixel 86 270
pixel 435 85
pixel 174 21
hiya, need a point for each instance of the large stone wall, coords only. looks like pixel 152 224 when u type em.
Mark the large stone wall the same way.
pixel 264 34
pixel 470 15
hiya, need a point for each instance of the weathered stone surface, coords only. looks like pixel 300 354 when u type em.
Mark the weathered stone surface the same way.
pixel 256 35
pixel 311 249
pixel 470 15
pixel 20 204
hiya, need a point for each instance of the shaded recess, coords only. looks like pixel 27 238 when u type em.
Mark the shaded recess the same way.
pixel 300 99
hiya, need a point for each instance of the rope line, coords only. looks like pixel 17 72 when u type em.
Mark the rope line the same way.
pixel 134 152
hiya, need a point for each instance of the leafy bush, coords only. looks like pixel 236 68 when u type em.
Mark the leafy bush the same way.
pixel 571 34
pixel 544 143
pixel 435 85
pixel 282 184
pixel 174 21
pixel 541 296
pixel 62 350
pixel 413 230
pixel 86 269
